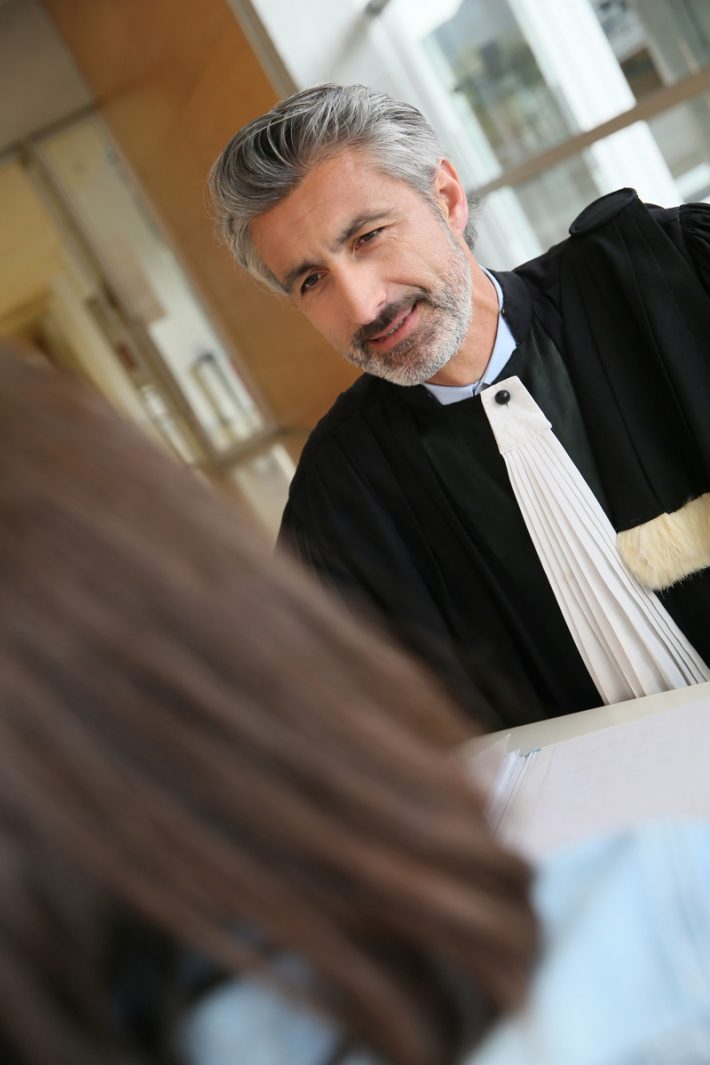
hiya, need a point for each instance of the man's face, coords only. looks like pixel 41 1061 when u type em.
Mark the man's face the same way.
pixel 381 272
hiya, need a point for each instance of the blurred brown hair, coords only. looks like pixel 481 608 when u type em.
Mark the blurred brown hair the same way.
pixel 190 729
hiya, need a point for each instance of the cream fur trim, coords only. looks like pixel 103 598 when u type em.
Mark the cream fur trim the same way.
pixel 669 547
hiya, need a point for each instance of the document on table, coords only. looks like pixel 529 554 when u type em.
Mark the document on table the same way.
pixel 605 781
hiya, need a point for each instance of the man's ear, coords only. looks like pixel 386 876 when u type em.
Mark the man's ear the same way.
pixel 450 195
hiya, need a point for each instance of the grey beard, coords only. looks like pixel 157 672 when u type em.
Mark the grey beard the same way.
pixel 421 355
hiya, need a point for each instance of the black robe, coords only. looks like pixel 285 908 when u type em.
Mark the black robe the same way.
pixel 405 504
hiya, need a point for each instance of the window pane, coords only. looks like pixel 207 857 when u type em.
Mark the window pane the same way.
pixel 683 135
pixel 556 196
pixel 657 42
pixel 484 58
pixel 552 199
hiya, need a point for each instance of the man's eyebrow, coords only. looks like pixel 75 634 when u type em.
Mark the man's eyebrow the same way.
pixel 357 223
pixel 343 237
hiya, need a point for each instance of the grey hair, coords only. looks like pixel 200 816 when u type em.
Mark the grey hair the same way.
pixel 269 157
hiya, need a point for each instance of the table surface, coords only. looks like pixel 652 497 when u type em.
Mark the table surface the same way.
pixel 534 827
pixel 554 729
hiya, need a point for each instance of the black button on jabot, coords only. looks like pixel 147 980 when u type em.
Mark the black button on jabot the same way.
pixel 502 397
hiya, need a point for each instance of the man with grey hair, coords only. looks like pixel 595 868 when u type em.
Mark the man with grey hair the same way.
pixel 520 481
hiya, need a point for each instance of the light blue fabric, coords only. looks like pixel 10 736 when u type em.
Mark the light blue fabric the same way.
pixel 624 976
pixel 246 1023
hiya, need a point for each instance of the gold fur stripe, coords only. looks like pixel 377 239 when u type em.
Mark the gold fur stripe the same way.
pixel 669 547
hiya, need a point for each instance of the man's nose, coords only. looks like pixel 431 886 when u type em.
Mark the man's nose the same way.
pixel 364 295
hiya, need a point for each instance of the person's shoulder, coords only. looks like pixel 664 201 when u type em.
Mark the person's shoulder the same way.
pixel 674 220
pixel 361 394
pixel 592 218
pixel 626 932
pixel 348 411
pixel 542 273
pixel 679 849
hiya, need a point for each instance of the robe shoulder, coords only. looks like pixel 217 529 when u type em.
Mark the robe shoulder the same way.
pixel 337 440
pixel 693 224
pixel 365 393
pixel 687 226
pixel 331 499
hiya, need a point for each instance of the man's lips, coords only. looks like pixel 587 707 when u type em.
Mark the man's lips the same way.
pixel 396 331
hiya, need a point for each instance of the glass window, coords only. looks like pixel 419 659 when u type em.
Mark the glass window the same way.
pixel 657 42
pixel 532 72
pixel 487 62
pixel 525 77
pixel 683 136
pixel 555 196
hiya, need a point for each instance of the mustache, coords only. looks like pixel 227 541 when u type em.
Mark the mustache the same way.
pixel 388 316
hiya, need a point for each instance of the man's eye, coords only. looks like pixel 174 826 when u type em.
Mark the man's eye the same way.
pixel 309 283
pixel 366 238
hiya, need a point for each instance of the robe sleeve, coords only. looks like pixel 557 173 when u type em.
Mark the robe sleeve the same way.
pixel 694 222
pixel 338 528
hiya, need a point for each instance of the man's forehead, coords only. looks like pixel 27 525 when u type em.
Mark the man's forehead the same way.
pixel 332 190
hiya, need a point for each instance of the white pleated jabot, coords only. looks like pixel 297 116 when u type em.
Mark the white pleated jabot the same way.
pixel 627 640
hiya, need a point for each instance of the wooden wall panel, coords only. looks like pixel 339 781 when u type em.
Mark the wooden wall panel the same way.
pixel 174 79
